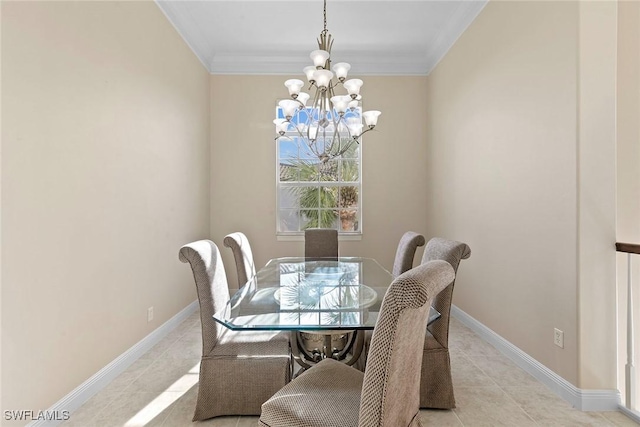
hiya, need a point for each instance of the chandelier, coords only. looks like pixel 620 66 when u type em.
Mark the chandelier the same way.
pixel 332 123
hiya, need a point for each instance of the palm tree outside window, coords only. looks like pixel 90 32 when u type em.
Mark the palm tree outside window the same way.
pixel 313 194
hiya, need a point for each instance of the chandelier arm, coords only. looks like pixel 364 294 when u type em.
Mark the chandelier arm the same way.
pixel 314 106
pixel 300 134
pixel 316 98
pixel 326 109
pixel 346 148
pixel 336 135
pixel 312 147
pixel 341 150
pixel 365 131
pixel 311 143
pixel 329 110
pixel 329 149
pixel 282 136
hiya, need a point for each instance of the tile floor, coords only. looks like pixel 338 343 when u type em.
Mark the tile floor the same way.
pixel 160 389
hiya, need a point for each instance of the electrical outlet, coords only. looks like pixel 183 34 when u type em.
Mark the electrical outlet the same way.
pixel 149 314
pixel 558 337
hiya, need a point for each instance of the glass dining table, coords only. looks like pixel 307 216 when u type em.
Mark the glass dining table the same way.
pixel 327 304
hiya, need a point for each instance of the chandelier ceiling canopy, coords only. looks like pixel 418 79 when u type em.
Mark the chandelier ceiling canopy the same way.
pixel 332 123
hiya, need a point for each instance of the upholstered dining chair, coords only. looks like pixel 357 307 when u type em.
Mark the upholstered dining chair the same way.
pixel 239 370
pixel 409 243
pixel 407 246
pixel 332 394
pixel 320 243
pixel 245 267
pixel 436 387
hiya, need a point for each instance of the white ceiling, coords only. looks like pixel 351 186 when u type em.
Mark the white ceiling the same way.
pixel 275 37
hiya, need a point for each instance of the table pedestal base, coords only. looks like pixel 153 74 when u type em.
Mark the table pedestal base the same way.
pixel 345 346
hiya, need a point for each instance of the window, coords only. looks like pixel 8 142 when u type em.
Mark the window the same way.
pixel 313 194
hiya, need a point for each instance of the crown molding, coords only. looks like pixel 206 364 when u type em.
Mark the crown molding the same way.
pixel 384 62
pixel 454 28
pixel 293 63
pixel 181 20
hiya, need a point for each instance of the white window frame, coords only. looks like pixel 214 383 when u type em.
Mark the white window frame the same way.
pixel 280 185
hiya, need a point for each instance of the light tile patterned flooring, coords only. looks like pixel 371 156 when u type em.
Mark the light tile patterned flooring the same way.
pixel 160 389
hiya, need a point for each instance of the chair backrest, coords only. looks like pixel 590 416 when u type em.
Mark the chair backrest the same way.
pixel 321 243
pixel 452 252
pixel 407 246
pixel 243 256
pixel 391 386
pixel 211 285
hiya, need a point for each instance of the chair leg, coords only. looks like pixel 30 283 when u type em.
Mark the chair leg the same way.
pixel 436 387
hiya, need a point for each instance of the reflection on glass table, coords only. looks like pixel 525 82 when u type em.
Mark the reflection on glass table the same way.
pixel 333 301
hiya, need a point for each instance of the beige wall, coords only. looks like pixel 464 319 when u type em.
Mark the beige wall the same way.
pixel 628 122
pixel 628 157
pixel 597 194
pixel 243 166
pixel 511 173
pixel 105 160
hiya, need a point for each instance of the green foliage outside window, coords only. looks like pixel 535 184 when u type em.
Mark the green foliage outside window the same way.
pixel 322 206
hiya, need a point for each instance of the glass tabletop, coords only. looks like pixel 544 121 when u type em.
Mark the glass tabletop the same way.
pixel 298 294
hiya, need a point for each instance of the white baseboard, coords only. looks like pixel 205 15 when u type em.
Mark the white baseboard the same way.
pixel 104 376
pixel 585 400
pixel 634 415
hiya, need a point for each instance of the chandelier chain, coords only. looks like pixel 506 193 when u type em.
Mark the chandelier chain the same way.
pixel 325 16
